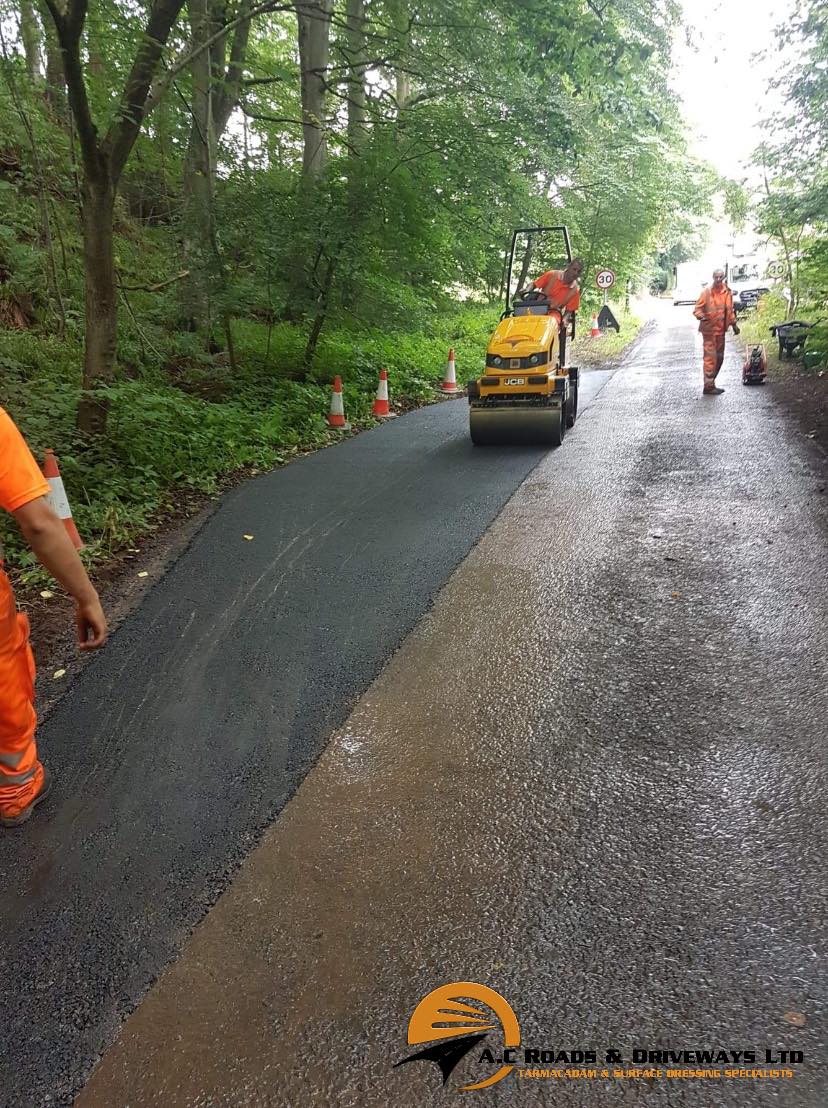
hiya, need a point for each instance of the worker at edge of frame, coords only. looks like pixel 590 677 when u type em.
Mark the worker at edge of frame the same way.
pixel 24 781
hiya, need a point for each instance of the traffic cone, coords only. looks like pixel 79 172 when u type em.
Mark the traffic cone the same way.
pixel 450 380
pixel 381 409
pixel 596 330
pixel 57 498
pixel 336 416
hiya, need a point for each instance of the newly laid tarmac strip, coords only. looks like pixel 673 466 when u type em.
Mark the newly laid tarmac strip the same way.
pixel 593 778
pixel 187 736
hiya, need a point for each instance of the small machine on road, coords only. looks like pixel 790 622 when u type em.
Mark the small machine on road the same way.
pixel 528 395
pixel 755 365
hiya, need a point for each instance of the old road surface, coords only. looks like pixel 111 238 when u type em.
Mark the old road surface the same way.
pixel 551 722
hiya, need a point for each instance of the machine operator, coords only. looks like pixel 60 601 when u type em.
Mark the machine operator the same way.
pixel 560 287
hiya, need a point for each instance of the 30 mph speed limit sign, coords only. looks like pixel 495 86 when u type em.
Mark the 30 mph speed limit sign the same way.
pixel 605 279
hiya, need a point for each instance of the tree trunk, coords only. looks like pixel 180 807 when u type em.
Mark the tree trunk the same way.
pixel 321 315
pixel 402 89
pixel 94 57
pixel 504 273
pixel 527 261
pixel 354 53
pixel 401 20
pixel 104 159
pixel 215 94
pixel 55 90
pixel 198 176
pixel 196 204
pixel 30 34
pixel 357 66
pixel 314 24
pixel 101 303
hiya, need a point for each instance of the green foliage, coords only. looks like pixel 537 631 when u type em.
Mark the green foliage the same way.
pixel 736 204
pixel 793 207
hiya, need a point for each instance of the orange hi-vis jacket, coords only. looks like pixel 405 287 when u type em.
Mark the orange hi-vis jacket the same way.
pixel 21 774
pixel 566 298
pixel 714 310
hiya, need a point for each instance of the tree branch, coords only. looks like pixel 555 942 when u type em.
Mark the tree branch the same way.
pixel 232 83
pixel 124 129
pixel 155 288
pixel 186 58
pixel 69 28
pixel 250 82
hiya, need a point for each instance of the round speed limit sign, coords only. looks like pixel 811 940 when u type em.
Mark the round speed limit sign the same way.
pixel 605 279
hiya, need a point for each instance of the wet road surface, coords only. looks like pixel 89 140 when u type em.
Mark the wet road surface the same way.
pixel 592 778
pixel 187 736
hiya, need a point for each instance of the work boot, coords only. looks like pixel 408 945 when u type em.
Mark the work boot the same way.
pixel 715 391
pixel 25 814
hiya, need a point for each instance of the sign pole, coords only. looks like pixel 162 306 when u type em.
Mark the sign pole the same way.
pixel 604 280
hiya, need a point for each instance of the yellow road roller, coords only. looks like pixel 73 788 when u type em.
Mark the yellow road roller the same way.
pixel 528 394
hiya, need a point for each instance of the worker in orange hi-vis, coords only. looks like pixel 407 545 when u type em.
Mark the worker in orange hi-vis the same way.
pixel 24 781
pixel 561 287
pixel 715 313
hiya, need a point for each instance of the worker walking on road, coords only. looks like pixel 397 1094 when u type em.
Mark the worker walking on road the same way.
pixel 24 781
pixel 715 312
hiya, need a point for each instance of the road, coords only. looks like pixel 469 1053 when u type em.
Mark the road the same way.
pixel 550 722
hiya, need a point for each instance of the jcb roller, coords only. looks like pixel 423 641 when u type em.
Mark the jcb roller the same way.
pixel 528 395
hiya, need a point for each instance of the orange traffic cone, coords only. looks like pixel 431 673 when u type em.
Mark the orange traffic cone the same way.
pixel 57 498
pixel 336 416
pixel 596 330
pixel 381 410
pixel 450 380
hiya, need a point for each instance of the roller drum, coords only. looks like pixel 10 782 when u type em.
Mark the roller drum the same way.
pixel 516 426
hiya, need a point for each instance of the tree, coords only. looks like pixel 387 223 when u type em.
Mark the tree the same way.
pixel 216 88
pixel 30 34
pixel 103 160
pixel 313 19
pixel 793 161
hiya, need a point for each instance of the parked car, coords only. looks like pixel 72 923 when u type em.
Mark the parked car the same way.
pixel 746 294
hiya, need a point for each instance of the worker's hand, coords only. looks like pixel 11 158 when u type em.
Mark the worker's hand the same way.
pixel 736 329
pixel 91 623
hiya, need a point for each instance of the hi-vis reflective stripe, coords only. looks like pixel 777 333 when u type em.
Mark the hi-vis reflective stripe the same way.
pixel 17 778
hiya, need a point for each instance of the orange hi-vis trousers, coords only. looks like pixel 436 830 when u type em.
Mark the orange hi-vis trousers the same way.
pixel 714 351
pixel 21 774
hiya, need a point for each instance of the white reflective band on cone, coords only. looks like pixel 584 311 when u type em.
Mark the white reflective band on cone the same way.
pixel 57 498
